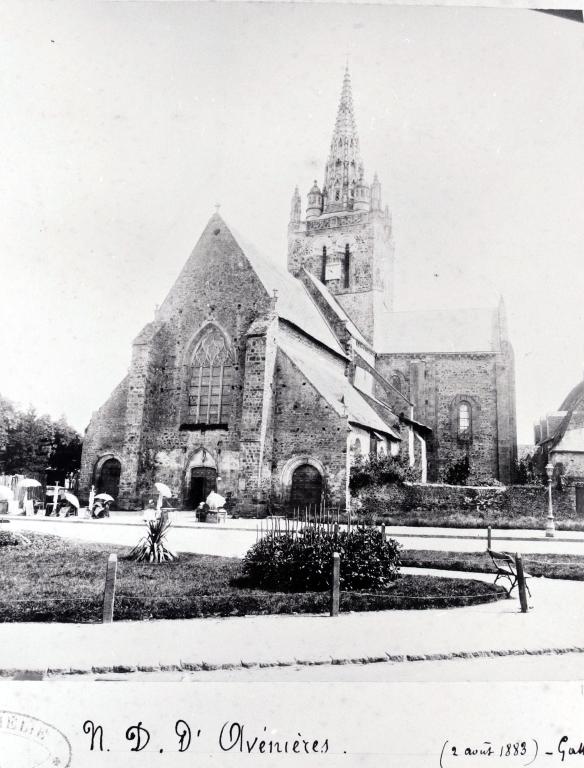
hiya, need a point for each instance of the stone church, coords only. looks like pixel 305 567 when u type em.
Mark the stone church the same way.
pixel 266 383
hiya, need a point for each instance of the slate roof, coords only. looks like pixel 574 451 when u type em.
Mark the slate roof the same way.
pixel 441 331
pixel 572 399
pixel 337 309
pixel 569 432
pixel 572 440
pixel 330 381
pixel 294 302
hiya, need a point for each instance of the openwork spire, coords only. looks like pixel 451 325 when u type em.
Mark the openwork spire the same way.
pixel 344 168
pixel 345 123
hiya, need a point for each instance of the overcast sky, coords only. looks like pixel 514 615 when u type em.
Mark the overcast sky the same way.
pixel 123 124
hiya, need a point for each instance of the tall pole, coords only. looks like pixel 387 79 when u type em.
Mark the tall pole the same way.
pixel 55 498
pixel 550 526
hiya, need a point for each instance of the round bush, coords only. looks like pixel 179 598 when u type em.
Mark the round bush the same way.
pixel 301 561
pixel 9 539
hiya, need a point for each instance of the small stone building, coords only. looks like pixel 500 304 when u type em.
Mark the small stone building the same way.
pixel 265 383
pixel 559 439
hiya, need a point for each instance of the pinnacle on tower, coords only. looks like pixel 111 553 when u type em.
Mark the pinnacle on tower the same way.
pixel 295 207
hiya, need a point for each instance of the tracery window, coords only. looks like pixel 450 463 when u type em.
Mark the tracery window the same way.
pixel 211 380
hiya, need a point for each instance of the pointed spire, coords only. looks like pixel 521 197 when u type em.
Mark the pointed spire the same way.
pixel 345 122
pixel 344 168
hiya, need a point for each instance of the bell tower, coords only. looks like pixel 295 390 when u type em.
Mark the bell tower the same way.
pixel 345 240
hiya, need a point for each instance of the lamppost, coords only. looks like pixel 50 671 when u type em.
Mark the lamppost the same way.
pixel 550 526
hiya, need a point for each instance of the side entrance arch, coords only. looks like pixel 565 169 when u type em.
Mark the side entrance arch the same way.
pixel 307 486
pixel 108 476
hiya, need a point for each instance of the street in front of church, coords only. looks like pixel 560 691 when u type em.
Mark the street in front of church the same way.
pixel 234 537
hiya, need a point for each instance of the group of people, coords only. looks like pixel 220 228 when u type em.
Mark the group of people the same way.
pixel 100 508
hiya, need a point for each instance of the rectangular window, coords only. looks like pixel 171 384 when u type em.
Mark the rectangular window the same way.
pixel 347 265
pixel 464 419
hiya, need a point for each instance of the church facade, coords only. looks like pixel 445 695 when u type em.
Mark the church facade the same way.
pixel 265 382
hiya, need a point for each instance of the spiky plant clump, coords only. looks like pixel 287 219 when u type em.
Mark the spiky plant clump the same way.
pixel 152 547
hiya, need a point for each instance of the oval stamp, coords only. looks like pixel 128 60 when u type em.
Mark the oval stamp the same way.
pixel 27 742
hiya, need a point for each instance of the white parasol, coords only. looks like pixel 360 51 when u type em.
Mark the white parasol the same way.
pixel 29 482
pixel 72 499
pixel 215 500
pixel 104 497
pixel 163 489
pixel 6 493
pixel 163 492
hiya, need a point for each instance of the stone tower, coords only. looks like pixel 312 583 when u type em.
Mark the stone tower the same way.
pixel 346 239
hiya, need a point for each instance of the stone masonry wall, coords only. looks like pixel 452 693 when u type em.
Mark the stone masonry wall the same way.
pixel 306 425
pixel 433 383
pixel 104 435
pixel 497 501
pixel 217 285
pixel 257 424
pixel 371 261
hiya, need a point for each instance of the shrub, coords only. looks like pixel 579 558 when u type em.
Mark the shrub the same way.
pixel 300 562
pixel 152 547
pixel 380 470
pixel 457 473
pixel 10 539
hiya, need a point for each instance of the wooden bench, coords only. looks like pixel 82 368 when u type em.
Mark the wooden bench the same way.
pixel 506 569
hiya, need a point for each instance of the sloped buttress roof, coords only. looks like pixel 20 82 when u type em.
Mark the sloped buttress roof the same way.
pixel 294 303
pixel 337 309
pixel 330 381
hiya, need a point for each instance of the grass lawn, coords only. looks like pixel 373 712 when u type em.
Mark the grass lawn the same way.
pixel 55 579
pixel 440 519
pixel 549 565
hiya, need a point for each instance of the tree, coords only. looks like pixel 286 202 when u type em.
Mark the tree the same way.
pixel 67 444
pixel 380 470
pixel 525 473
pixel 31 444
pixel 457 473
pixel 7 422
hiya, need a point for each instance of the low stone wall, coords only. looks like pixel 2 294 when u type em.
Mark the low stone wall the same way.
pixel 497 501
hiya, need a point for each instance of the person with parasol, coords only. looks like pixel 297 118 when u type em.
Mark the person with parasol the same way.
pixel 101 505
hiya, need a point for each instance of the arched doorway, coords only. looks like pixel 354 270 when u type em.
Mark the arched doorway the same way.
pixel 108 480
pixel 306 486
pixel 203 480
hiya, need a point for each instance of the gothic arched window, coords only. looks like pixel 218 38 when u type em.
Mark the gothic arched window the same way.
pixel 210 380
pixel 397 382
